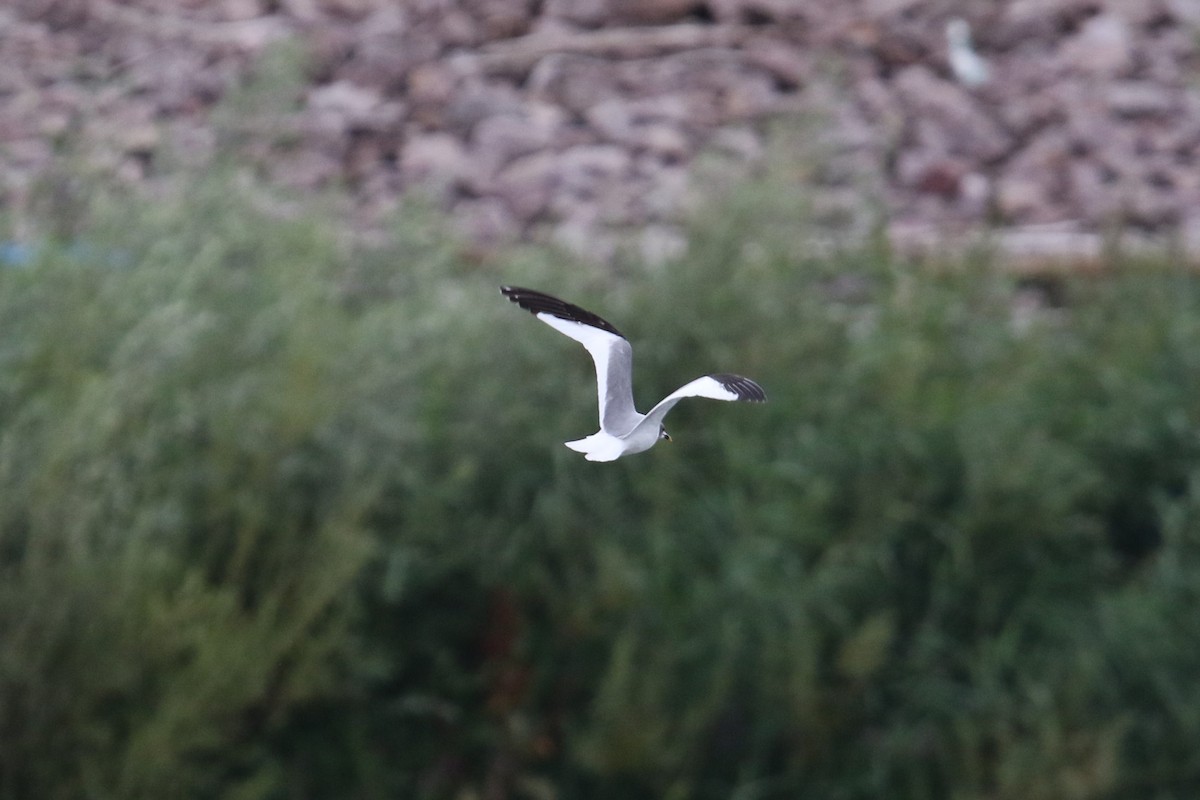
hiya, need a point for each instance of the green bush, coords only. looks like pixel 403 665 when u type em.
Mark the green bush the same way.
pixel 285 517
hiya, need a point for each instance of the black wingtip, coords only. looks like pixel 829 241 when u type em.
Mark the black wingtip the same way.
pixel 743 387
pixel 536 302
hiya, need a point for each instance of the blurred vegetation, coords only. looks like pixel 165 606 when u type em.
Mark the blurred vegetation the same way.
pixel 282 516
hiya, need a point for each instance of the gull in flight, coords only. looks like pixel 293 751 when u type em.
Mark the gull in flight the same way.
pixel 623 431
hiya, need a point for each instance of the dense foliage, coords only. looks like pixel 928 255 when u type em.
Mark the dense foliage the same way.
pixel 285 518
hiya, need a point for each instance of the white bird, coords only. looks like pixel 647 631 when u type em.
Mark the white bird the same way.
pixel 968 67
pixel 623 431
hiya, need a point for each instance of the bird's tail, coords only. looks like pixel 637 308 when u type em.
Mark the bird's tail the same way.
pixel 600 446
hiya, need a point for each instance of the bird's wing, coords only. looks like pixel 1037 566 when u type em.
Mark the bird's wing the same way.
pixel 721 386
pixel 608 348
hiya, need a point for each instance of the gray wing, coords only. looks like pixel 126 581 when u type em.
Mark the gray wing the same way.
pixel 609 350
pixel 617 413
pixel 720 386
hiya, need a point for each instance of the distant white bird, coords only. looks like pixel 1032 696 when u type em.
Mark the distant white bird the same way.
pixel 623 431
pixel 968 67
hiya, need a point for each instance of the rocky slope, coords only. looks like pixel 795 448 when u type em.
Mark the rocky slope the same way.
pixel 597 124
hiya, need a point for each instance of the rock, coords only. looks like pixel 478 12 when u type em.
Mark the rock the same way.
pixel 575 82
pixel 1033 178
pixel 579 12
pixel 1028 112
pixel 500 19
pixel 661 108
pixel 882 108
pixel 966 129
pixel 882 9
pixel 759 12
pixel 499 139
pixel 25 153
pixel 930 173
pixel 635 126
pixel 582 168
pixel 1187 11
pixel 1018 197
pixel 651 12
pixel 583 120
pixel 613 119
pixel 1139 99
pixel 1103 47
pixel 389 43
pixel 437 164
pixel 478 100
pixel 789 66
pixel 428 91
pixel 140 138
pixel 1054 12
pixel 754 94
pixel 1151 205
pixel 620 204
pixel 527 185
pixel 1137 13
pixel 662 140
pixel 460 29
pixel 343 106
pixel 352 9
pixel 975 193
pixel 1083 115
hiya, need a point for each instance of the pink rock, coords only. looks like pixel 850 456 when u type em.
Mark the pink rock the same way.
pixel 662 140
pixel 500 19
pixel 579 12
pixel 612 118
pixel 958 116
pixel 1034 180
pixel 1187 11
pixel 757 11
pixel 476 100
pixel 1103 46
pixel 581 168
pixel 1095 191
pixel 527 185
pixel 753 95
pixel 1138 13
pixel 1139 99
pixel 436 163
pixel 575 82
pixel 791 67
pixel 343 105
pixel 499 139
pixel 651 12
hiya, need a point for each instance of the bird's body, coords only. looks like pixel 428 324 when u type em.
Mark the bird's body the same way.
pixel 623 430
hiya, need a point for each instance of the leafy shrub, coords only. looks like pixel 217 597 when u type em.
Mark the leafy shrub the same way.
pixel 283 517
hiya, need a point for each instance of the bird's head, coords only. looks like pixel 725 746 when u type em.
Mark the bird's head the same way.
pixel 662 433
